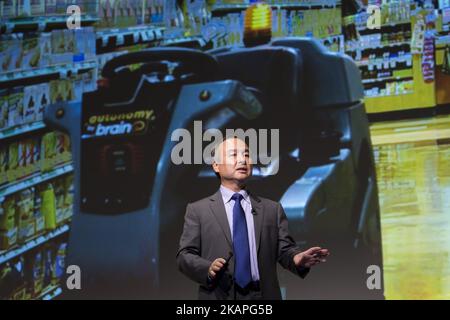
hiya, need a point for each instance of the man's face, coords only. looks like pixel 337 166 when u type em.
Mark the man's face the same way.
pixel 233 160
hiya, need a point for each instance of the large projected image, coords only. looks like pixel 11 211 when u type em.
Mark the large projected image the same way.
pixel 317 162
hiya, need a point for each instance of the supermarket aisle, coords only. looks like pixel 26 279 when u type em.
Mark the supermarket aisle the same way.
pixel 414 185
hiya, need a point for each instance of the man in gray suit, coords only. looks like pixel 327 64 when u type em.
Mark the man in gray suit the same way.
pixel 232 240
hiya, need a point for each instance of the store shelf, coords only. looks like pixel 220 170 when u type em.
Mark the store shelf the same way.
pixel 41 24
pixel 28 77
pixel 50 293
pixel 365 81
pixel 442 40
pixel 19 130
pixel 11 254
pixel 383 96
pixel 34 180
pixel 383 26
pixel 195 41
pixel 381 61
pixel 381 46
pixel 110 39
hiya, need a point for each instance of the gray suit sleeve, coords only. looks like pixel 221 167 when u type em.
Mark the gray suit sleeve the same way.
pixel 188 257
pixel 287 248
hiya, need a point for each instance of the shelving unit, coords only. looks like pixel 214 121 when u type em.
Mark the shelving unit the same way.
pixel 378 62
pixel 314 18
pixel 109 40
pixel 22 129
pixel 50 294
pixel 41 24
pixel 34 180
pixel 45 74
pixel 391 70
pixel 32 243
pixel 69 65
pixel 442 55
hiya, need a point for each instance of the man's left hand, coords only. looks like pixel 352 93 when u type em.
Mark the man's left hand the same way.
pixel 311 257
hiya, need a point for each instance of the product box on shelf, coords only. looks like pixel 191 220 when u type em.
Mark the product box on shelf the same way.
pixel 61 6
pixel 78 87
pixel 37 7
pixel 124 16
pixel 48 206
pixel 50 7
pixel 85 44
pixel 90 80
pixel 31 52
pixel 49 254
pixel 3 109
pixel 6 52
pixel 153 12
pixel 39 220
pixel 48 151
pixel 37 153
pixel 45 48
pixel 21 170
pixel 13 162
pixel 68 88
pixel 25 215
pixel 30 167
pixel 29 104
pixel 10 53
pixel 69 192
pixel 104 14
pixel 58 185
pixel 7 284
pixel 23 8
pixel 8 223
pixel 80 45
pixel 56 92
pixel 42 100
pixel 61 91
pixel 15 107
pixel 62 42
pixel 9 8
pixel 34 272
pixel 62 149
pixel 20 288
pixel 49 266
pixel 60 263
pixel 140 13
pixel 3 164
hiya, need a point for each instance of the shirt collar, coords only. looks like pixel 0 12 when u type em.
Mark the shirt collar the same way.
pixel 227 193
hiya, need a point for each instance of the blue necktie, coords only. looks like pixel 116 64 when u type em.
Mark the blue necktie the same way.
pixel 242 271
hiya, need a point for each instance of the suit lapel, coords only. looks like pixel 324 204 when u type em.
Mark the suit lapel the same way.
pixel 218 209
pixel 258 217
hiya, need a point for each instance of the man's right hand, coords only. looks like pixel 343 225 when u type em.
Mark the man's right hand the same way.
pixel 215 267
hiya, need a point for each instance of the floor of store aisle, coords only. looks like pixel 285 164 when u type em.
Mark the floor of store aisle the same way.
pixel 413 170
